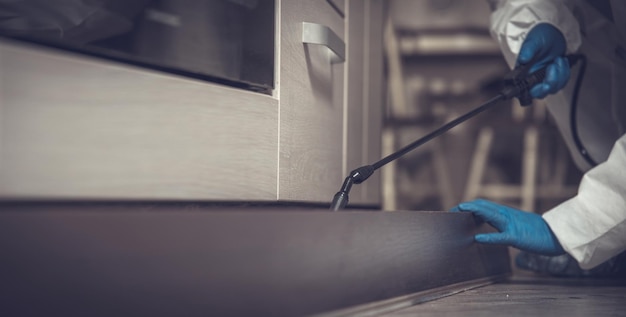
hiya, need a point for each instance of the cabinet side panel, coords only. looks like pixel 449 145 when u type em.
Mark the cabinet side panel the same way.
pixel 355 86
pixel 375 12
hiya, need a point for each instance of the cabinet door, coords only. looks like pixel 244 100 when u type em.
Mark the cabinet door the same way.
pixel 74 127
pixel 311 106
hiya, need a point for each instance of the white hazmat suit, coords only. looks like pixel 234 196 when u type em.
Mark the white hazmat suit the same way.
pixel 591 227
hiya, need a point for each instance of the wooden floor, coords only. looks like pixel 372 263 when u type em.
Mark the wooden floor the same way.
pixel 530 296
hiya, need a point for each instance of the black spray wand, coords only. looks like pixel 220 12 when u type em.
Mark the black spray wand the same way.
pixel 516 84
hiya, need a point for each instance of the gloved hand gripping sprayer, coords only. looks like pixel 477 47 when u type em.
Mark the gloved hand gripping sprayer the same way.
pixel 517 84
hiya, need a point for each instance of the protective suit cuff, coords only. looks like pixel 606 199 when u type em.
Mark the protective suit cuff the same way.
pixel 567 229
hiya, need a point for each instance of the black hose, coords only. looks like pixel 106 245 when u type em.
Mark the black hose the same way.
pixel 573 113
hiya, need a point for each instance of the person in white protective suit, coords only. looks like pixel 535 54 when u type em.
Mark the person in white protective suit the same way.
pixel 590 227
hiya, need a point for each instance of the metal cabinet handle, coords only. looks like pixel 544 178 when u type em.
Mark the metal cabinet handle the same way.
pixel 313 33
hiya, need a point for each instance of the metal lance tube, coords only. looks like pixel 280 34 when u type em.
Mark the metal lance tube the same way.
pixel 517 84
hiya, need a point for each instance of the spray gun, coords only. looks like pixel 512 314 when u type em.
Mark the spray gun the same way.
pixel 516 84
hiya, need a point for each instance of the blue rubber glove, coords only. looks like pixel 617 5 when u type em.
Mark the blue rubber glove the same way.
pixel 545 45
pixel 523 230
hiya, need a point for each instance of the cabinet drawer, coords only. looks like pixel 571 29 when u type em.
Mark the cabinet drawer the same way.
pixel 82 128
pixel 311 105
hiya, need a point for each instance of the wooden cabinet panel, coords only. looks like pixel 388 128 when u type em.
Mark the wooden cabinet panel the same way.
pixel 311 106
pixel 364 95
pixel 355 85
pixel 374 97
pixel 81 128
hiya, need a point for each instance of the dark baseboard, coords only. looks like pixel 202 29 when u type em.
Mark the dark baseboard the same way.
pixel 244 262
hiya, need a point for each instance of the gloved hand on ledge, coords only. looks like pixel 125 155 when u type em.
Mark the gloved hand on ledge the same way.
pixel 545 45
pixel 523 230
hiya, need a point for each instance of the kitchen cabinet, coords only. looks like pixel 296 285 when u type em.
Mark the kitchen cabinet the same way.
pixel 78 127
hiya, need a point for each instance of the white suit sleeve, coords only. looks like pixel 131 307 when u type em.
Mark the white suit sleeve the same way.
pixel 511 20
pixel 591 227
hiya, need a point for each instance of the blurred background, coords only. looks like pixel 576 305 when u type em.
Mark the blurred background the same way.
pixel 441 62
